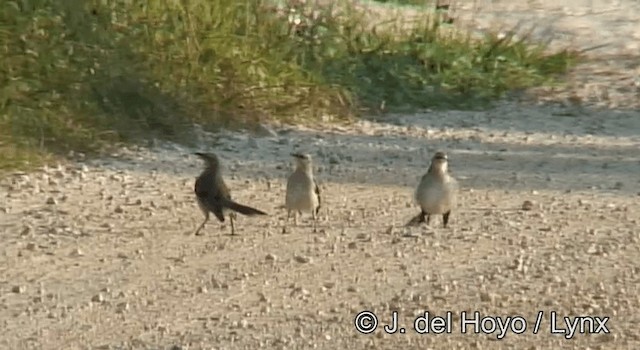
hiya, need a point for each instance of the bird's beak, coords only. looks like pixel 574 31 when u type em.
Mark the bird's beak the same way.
pixel 296 155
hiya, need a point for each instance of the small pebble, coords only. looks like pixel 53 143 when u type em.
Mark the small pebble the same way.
pixel 76 253
pixel 302 259
pixel 270 257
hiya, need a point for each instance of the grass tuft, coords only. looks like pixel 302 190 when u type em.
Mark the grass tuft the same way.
pixel 85 75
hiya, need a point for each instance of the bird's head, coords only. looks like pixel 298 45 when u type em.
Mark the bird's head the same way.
pixel 302 159
pixel 210 159
pixel 439 162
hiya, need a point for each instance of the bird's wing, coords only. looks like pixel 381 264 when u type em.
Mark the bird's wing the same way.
pixel 290 182
pixel 223 191
pixel 424 180
pixel 201 187
pixel 217 211
pixel 213 197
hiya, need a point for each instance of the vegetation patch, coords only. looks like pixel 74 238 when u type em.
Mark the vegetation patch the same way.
pixel 82 76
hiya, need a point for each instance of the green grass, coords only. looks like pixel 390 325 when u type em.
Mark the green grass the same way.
pixel 85 75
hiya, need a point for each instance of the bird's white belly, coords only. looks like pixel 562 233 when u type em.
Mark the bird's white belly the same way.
pixel 301 199
pixel 435 200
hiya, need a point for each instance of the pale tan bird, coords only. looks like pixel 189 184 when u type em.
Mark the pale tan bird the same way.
pixel 303 193
pixel 213 194
pixel 436 194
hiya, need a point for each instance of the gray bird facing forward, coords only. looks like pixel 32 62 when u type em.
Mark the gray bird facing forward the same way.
pixel 303 193
pixel 213 194
pixel 436 194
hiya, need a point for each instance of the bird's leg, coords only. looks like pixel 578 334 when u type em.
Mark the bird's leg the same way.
pixel 233 228
pixel 417 220
pixel 445 218
pixel 422 216
pixel 315 221
pixel 284 227
pixel 428 217
pixel 295 219
pixel 206 218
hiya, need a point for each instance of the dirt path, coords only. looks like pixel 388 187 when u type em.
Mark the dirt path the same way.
pixel 100 254
pixel 607 30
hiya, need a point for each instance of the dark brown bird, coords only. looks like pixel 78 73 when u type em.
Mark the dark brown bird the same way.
pixel 213 194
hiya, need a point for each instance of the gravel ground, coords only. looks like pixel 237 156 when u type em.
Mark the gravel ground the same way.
pixel 101 254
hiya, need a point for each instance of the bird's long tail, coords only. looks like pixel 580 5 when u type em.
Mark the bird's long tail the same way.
pixel 245 210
